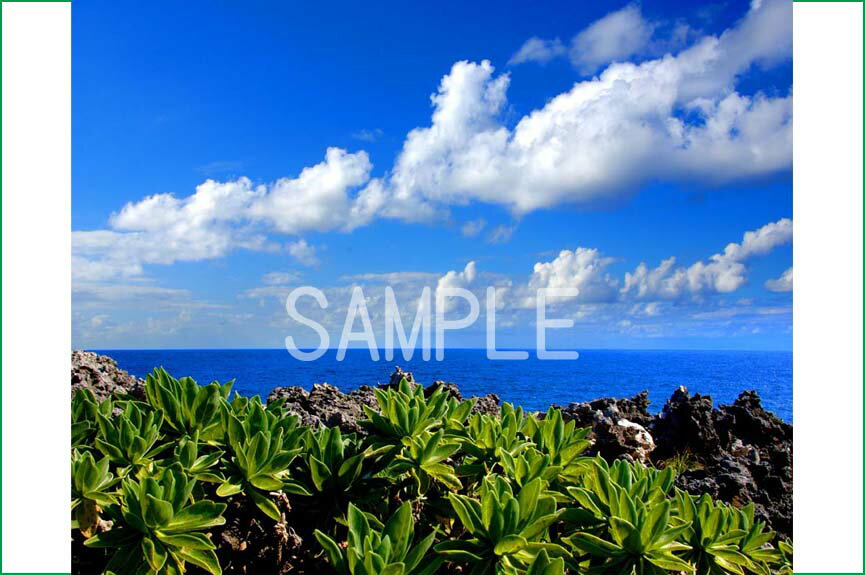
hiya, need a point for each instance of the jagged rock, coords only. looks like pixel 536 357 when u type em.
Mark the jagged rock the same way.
pixel 488 404
pixel 101 375
pixel 397 376
pixel 449 388
pixel 745 453
pixel 685 424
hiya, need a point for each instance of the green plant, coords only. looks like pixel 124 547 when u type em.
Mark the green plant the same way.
pixel 423 459
pixel 505 532
pixel 528 465
pixel 389 551
pixel 189 409
pixel 406 413
pixel 201 467
pixel 84 410
pixel 563 442
pixel 724 539
pixel 90 490
pixel 335 461
pixel 543 565
pixel 161 528
pixel 512 494
pixel 681 462
pixel 487 440
pixel 599 490
pixel 260 457
pixel 638 539
pixel 130 439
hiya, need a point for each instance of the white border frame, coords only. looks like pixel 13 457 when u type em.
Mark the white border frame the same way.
pixel 36 286
pixel 827 302
pixel 828 376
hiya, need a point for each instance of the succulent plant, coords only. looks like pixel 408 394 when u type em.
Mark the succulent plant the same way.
pixel 161 528
pixel 189 409
pixel 638 539
pixel 91 481
pixel 503 531
pixel 423 458
pixel 261 449
pixel 508 495
pixel 130 439
pixel 386 551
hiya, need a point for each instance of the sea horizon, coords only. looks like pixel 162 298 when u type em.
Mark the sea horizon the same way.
pixel 532 383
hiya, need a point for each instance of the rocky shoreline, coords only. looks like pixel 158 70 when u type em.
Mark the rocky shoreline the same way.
pixel 737 453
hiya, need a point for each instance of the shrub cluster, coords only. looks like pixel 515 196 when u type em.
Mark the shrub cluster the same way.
pixel 430 488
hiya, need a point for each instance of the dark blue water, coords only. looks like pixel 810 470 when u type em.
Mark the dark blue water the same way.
pixel 533 384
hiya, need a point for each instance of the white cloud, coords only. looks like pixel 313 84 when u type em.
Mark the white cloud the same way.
pixel 318 199
pixel 501 234
pixel 224 216
pixel 601 139
pixel 303 252
pixel 280 278
pixel 538 50
pixel 393 277
pixel 782 284
pixel 722 273
pixel 473 228
pixel 606 136
pixel 368 135
pixel 455 279
pixel 583 268
pixel 614 37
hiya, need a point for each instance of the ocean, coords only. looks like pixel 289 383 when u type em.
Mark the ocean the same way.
pixel 533 384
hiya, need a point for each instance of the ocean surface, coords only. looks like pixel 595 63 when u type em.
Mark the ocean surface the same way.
pixel 532 384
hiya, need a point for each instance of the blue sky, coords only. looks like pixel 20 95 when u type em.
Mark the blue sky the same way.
pixel 226 152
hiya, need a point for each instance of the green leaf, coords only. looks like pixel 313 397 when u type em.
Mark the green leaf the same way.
pixel 509 544
pixel 154 553
pixel 158 511
pixel 399 529
pixel 266 482
pixel 190 540
pixel 200 515
pixel 228 489
pixel 267 506
pixel 319 471
pixel 332 550
pixel 206 559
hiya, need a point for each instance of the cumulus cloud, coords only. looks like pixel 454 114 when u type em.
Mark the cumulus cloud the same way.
pixel 674 118
pixel 614 37
pixel 782 284
pixel 538 50
pixel 587 269
pixel 724 272
pixel 224 216
pixel 583 268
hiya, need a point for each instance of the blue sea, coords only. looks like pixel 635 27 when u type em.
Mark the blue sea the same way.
pixel 533 384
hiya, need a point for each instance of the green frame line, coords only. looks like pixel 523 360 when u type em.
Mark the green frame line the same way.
pixel 1 278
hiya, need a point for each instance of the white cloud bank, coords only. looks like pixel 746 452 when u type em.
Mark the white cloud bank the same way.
pixel 676 118
pixel 587 270
pixel 782 284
